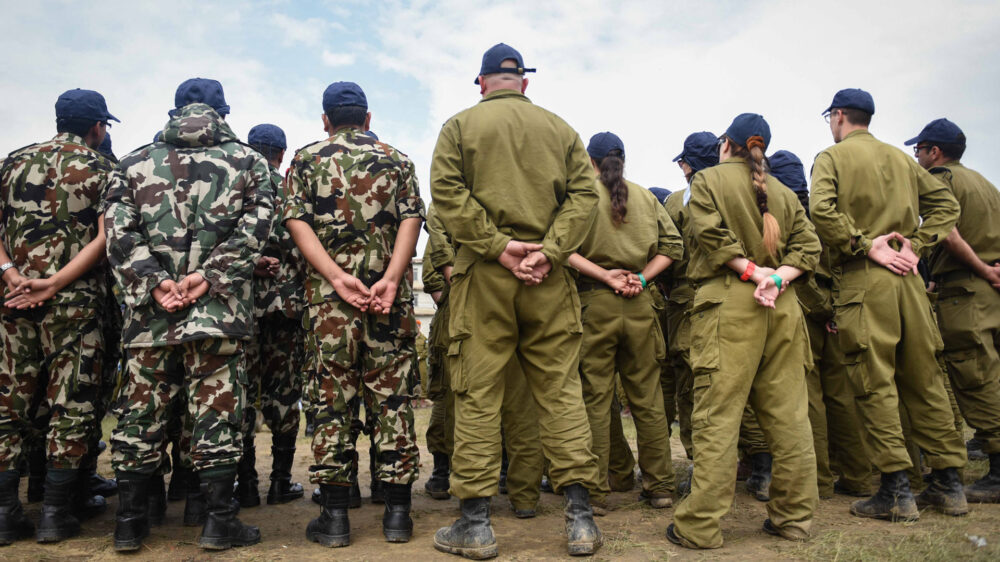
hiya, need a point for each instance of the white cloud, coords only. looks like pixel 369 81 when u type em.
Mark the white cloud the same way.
pixel 338 59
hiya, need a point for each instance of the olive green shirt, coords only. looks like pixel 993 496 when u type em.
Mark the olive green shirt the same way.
pixel 863 188
pixel 979 222
pixel 674 205
pixel 646 232
pixel 725 223
pixel 507 169
pixel 438 253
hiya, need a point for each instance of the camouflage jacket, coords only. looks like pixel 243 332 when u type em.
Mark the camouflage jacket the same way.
pixel 282 293
pixel 198 201
pixel 353 191
pixel 52 195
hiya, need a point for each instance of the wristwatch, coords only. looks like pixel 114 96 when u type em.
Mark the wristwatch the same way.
pixel 5 267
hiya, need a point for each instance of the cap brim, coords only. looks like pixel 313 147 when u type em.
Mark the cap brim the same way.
pixel 912 141
pixel 827 110
pixel 476 81
pixel 678 157
pixel 113 118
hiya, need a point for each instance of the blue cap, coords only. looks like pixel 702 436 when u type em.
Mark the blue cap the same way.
pixel 201 90
pixel 105 147
pixel 267 135
pixel 603 143
pixel 496 55
pixel 660 193
pixel 748 125
pixel 701 150
pixel 852 98
pixel 83 104
pixel 340 94
pixel 372 134
pixel 787 168
pixel 939 130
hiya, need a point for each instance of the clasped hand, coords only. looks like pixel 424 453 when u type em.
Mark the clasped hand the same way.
pixel 24 293
pixel 173 296
pixel 624 282
pixel 900 262
pixel 526 261
pixel 379 297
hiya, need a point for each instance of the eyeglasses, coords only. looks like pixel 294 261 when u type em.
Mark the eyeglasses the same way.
pixel 919 147
pixel 828 115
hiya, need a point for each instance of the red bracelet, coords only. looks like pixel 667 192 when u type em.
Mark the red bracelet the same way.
pixel 751 266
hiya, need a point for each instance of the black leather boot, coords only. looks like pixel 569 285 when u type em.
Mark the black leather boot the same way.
pixel 178 478
pixel 247 482
pixel 396 523
pixel 36 474
pixel 57 522
pixel 282 489
pixel 987 488
pixel 99 485
pixel 157 494
pixel 14 524
pixel 195 510
pixel 439 482
pixel 471 535
pixel 582 535
pixel 892 501
pixel 944 493
pixel 222 529
pixel 332 528
pixel 132 518
pixel 759 481
pixel 355 500
pixel 310 422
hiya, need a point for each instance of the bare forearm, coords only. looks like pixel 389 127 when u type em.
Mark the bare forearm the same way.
pixel 587 267
pixel 312 249
pixel 788 273
pixel 402 253
pixel 84 261
pixel 656 266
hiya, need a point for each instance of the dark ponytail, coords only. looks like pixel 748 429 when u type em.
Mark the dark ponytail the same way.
pixel 612 168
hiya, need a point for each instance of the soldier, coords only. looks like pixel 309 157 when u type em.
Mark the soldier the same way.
pixel 515 189
pixel 184 234
pixel 630 242
pixel 876 210
pixel 965 269
pixel 354 210
pixel 274 356
pixel 52 196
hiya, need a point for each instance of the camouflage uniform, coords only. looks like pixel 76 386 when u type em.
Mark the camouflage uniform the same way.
pixel 52 195
pixel 354 191
pixel 198 201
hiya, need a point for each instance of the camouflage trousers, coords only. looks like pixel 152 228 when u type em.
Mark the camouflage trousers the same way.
pixel 274 374
pixel 51 366
pixel 353 353
pixel 211 372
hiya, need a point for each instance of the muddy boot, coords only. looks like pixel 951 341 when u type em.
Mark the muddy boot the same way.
pixel 396 523
pixel 684 486
pixel 157 503
pixel 582 535
pixel 247 483
pixel 944 493
pixel 222 529
pixel 178 478
pixel 893 501
pixel 759 482
pixel 987 488
pixel 332 528
pixel 132 518
pixel 36 474
pixel 472 535
pixel 57 522
pixel 194 506
pixel 439 482
pixel 282 489
pixel 14 524
pixel 546 485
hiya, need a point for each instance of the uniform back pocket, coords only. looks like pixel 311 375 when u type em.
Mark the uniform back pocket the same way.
pixel 848 315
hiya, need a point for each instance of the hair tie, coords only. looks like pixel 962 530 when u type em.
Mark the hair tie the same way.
pixel 755 141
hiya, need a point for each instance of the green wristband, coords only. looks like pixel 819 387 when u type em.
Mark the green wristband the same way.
pixel 642 279
pixel 777 280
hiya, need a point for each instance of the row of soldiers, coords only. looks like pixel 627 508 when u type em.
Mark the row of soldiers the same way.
pixel 549 262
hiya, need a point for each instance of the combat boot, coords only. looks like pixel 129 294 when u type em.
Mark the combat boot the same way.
pixel 470 536
pixel 104 487
pixel 944 493
pixel 222 529
pixel 377 489
pixel 987 488
pixel 132 518
pixel 759 481
pixel 310 422
pixel 57 522
pixel 282 489
pixel 178 478
pixel 246 470
pixel 893 501
pixel 974 449
pixel 157 493
pixel 36 474
pixel 332 528
pixel 14 524
pixel 396 523
pixel 439 482
pixel 582 535
pixel 195 510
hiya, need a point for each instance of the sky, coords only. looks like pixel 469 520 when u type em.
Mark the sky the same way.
pixel 652 72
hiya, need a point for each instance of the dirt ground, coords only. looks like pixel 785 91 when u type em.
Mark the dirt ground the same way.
pixel 632 531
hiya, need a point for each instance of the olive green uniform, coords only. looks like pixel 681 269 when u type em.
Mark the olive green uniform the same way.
pixel 861 189
pixel 506 169
pixel 968 307
pixel 742 352
pixel 679 294
pixel 624 334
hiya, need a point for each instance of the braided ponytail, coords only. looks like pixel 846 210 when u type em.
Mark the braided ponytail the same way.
pixel 612 168
pixel 758 173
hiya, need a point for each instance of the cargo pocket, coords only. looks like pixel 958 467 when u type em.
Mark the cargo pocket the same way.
pixel 699 415
pixel 456 373
pixel 958 317
pixel 965 369
pixel 852 328
pixel 705 334
pixel 575 310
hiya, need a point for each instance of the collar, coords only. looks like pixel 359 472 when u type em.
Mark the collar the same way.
pixel 501 94
pixel 70 138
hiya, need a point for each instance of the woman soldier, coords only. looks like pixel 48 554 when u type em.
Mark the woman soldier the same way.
pixel 630 241
pixel 748 341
